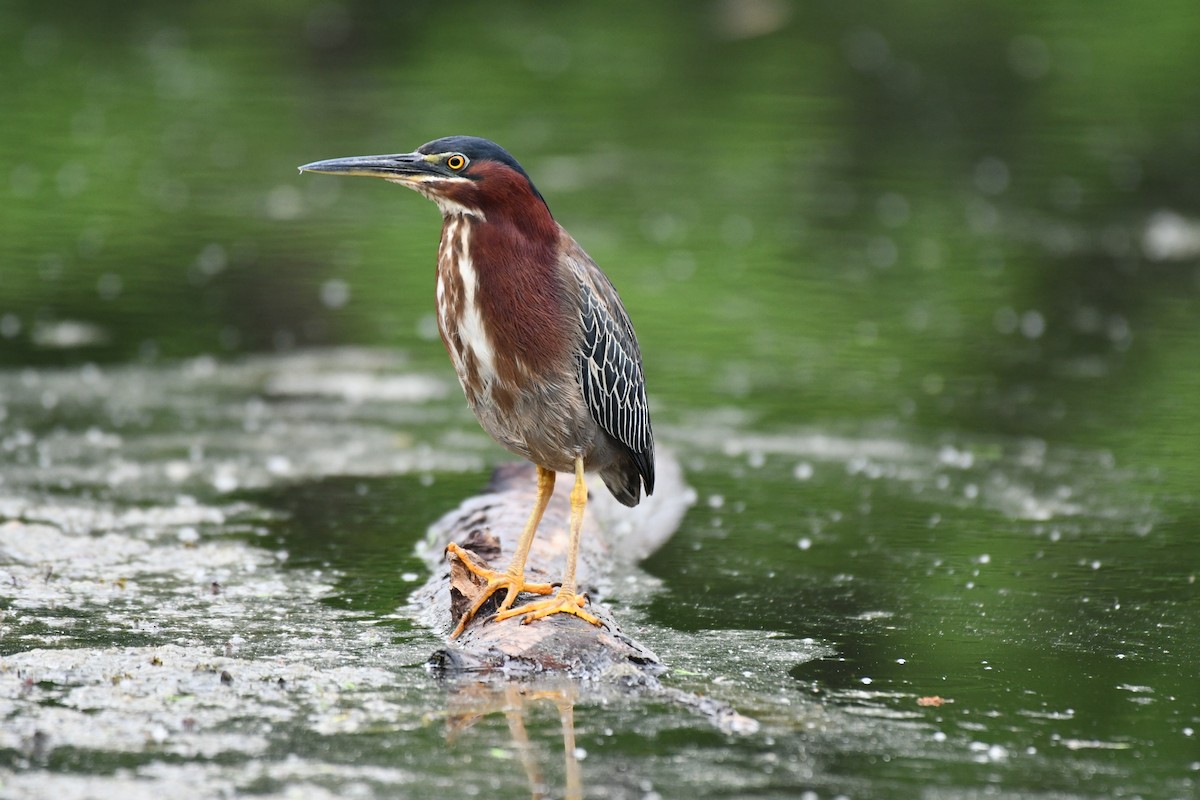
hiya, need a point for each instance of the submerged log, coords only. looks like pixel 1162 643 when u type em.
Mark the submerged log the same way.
pixel 488 526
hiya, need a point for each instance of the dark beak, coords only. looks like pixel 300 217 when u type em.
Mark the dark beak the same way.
pixel 403 167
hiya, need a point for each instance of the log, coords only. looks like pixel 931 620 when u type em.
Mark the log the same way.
pixel 488 525
pixel 559 647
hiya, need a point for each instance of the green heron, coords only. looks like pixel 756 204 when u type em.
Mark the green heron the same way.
pixel 545 352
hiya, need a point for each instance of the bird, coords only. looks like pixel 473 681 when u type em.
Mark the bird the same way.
pixel 541 343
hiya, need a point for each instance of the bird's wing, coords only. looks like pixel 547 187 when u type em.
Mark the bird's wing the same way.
pixel 610 367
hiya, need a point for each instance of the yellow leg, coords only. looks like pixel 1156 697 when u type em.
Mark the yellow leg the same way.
pixel 574 789
pixel 565 601
pixel 513 578
pixel 514 711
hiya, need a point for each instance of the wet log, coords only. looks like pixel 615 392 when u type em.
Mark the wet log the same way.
pixel 560 647
pixel 488 525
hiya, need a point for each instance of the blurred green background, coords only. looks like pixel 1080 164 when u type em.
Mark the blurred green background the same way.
pixel 974 225
pixel 975 214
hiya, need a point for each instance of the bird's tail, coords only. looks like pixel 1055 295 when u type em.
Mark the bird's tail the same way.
pixel 625 486
pixel 625 483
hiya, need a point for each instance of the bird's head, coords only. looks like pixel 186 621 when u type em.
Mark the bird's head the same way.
pixel 462 174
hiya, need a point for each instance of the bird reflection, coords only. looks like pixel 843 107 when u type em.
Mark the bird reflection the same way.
pixel 471 703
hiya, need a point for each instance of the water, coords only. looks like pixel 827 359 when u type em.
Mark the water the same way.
pixel 917 294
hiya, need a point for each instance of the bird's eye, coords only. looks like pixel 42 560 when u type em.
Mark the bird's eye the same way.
pixel 456 162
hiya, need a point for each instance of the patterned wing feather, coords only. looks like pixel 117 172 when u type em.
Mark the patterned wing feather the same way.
pixel 610 370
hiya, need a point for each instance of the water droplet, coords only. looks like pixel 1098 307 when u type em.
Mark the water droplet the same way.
pixel 109 286
pixel 1033 324
pixel 867 50
pixel 1029 57
pixel 893 209
pixel 212 259
pixel 882 252
pixel 991 176
pixel 10 325
pixel 335 293
pixel 284 202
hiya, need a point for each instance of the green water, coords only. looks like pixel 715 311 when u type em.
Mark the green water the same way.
pixel 918 290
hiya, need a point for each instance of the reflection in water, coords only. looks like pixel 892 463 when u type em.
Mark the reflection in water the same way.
pixel 470 703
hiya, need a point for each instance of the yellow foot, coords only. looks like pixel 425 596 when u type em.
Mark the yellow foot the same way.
pixel 496 581
pixel 561 603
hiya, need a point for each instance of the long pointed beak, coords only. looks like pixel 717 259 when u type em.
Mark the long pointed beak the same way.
pixel 400 167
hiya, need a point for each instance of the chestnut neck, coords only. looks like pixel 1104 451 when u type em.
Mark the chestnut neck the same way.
pixel 514 246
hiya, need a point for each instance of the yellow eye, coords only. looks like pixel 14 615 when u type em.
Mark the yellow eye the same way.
pixel 456 162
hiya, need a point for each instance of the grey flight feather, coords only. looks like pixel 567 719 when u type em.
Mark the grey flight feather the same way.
pixel 610 369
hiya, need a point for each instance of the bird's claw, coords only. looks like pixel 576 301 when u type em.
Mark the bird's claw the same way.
pixel 495 581
pixel 560 603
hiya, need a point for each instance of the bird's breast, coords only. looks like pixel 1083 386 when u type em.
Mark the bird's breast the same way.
pixel 504 313
pixel 460 319
pixel 505 318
